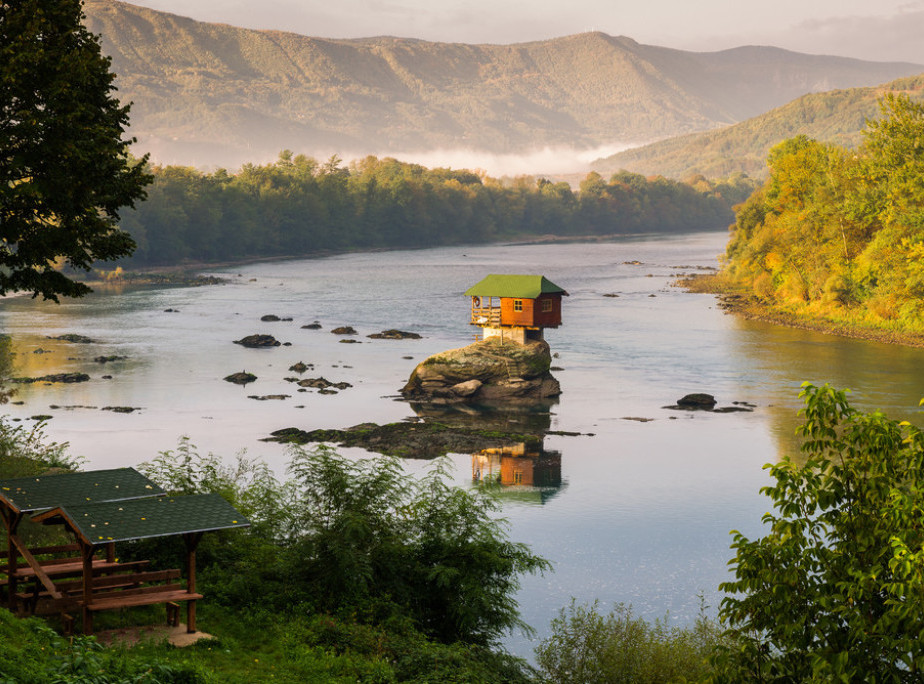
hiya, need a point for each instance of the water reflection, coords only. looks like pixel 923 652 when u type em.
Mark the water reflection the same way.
pixel 776 360
pixel 535 419
pixel 525 472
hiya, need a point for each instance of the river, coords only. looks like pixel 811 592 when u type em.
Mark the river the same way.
pixel 637 509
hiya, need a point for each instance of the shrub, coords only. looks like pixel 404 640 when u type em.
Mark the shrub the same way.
pixel 588 647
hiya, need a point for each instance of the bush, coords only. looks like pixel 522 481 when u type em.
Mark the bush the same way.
pixel 835 590
pixel 356 538
pixel 587 647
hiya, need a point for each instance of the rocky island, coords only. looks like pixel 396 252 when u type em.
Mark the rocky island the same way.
pixel 488 371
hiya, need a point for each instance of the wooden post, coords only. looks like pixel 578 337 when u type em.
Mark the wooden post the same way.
pixel 11 522
pixel 110 552
pixel 86 554
pixel 192 541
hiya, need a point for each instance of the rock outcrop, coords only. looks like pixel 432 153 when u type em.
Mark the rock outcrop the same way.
pixel 489 371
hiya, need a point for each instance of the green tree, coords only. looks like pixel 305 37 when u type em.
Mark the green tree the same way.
pixel 834 591
pixel 65 171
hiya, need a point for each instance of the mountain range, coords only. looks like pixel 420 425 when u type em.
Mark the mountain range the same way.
pixel 212 94
pixel 836 116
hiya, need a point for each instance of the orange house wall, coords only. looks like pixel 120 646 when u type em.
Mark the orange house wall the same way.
pixel 532 314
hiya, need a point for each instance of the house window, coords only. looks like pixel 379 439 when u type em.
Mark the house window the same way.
pixel 517 304
pixel 518 477
pixel 546 305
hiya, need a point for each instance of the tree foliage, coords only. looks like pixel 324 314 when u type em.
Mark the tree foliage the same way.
pixel 589 647
pixel 834 591
pixel 356 538
pixel 838 233
pixel 298 205
pixel 65 172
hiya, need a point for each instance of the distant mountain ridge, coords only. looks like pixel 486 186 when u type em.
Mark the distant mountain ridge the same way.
pixel 211 93
pixel 837 116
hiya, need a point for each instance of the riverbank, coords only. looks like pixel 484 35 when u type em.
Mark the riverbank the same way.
pixel 750 306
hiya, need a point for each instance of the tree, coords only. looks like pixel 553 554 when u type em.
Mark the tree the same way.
pixel 65 170
pixel 835 590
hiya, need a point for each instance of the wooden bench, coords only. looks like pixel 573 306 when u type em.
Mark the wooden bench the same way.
pixel 168 594
pixel 37 601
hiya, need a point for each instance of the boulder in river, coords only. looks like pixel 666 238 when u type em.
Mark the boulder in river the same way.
pixel 697 400
pixel 257 341
pixel 394 335
pixel 241 378
pixel 344 330
pixel 488 371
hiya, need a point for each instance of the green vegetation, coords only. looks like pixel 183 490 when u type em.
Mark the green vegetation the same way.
pixel 64 167
pixel 587 647
pixel 836 117
pixel 835 589
pixel 838 235
pixel 300 206
pixel 356 537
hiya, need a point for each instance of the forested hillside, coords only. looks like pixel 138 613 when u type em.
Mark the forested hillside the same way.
pixel 837 117
pixel 297 205
pixel 212 94
pixel 836 233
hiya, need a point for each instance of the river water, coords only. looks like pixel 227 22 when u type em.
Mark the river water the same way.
pixel 637 509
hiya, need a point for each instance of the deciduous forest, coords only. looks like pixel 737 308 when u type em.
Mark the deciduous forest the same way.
pixel 298 205
pixel 837 233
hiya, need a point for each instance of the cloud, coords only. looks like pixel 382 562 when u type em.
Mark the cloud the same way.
pixel 548 160
pixel 894 37
pixel 885 38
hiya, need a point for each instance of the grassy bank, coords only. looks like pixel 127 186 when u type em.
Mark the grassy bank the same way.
pixel 739 301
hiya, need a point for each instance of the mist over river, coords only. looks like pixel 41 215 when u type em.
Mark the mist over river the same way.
pixel 639 512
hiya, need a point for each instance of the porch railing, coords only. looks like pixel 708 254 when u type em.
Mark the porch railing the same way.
pixel 486 316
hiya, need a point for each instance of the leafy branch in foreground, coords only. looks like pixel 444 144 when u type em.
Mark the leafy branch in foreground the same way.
pixel 835 590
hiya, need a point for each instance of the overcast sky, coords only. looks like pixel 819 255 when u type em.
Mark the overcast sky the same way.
pixel 881 30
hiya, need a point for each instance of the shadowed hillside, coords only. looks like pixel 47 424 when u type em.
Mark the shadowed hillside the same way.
pixel 836 117
pixel 211 93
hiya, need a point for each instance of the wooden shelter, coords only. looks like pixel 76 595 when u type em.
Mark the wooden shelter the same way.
pixel 100 509
pixel 515 307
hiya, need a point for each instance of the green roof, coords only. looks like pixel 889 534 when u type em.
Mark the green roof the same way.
pixel 519 286
pixel 113 521
pixel 30 494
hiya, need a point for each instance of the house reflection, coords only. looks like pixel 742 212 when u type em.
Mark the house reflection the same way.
pixel 524 471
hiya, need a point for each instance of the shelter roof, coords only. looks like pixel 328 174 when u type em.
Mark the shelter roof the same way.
pixel 113 521
pixel 508 285
pixel 30 494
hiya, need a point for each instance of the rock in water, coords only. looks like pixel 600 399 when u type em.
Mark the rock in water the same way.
pixel 697 400
pixel 241 378
pixel 257 341
pixel 492 370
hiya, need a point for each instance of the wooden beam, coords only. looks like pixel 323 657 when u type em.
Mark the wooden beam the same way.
pixel 192 541
pixel 11 522
pixel 36 566
pixel 86 552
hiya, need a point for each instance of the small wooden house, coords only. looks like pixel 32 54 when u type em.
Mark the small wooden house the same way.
pixel 516 307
